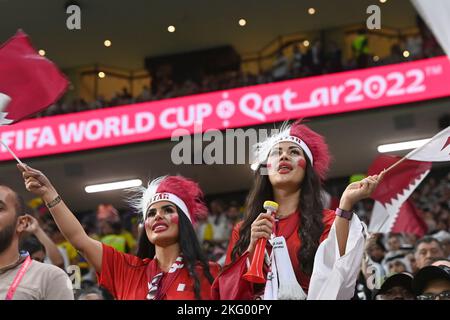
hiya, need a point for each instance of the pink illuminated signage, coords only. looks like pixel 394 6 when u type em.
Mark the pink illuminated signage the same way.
pixel 310 97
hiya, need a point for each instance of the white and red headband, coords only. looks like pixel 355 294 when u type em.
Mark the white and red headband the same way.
pixel 298 142
pixel 182 192
pixel 312 144
pixel 262 149
pixel 170 197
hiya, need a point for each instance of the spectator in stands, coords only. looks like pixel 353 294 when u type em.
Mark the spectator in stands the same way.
pixel 442 225
pixel 430 46
pixel 439 262
pixel 433 283
pixel 317 57
pixel 444 238
pixel 376 250
pixel 99 103
pixel 396 55
pixel 394 242
pixel 396 264
pixel 280 67
pixel 145 95
pixel 297 61
pixel 39 245
pixel 94 292
pixel 334 60
pixel 427 249
pixel 371 267
pixel 214 231
pixel 22 278
pixel 126 96
pixel 414 45
pixel 234 214
pixel 68 252
pixel 34 248
pixel 112 231
pixel 412 262
pixel 111 235
pixel 360 49
pixel 396 287
pixel 219 222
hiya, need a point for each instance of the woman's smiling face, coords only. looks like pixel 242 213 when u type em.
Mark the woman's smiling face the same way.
pixel 161 224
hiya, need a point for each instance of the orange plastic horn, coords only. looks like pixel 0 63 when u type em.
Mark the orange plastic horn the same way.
pixel 255 272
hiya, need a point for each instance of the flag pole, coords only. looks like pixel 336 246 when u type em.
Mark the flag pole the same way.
pixel 439 134
pixel 395 164
pixel 11 152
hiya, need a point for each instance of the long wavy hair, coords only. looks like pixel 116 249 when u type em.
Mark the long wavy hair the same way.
pixel 190 249
pixel 310 208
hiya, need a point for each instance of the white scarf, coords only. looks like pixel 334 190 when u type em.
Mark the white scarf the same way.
pixel 281 282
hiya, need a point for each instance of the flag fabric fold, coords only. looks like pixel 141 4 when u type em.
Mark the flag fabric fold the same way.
pixel 410 220
pixel 390 210
pixel 435 150
pixel 28 82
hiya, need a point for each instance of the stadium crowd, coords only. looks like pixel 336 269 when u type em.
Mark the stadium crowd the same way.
pixel 391 260
pixel 395 265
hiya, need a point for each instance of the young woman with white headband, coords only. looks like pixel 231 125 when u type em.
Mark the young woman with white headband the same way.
pixel 317 252
pixel 169 263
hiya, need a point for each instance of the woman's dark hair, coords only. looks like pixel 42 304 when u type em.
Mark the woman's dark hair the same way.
pixel 190 249
pixel 310 209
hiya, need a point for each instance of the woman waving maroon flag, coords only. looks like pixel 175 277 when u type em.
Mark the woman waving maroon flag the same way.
pixel 169 263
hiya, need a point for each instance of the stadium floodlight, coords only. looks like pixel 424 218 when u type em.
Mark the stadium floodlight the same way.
pixel 113 186
pixel 406 145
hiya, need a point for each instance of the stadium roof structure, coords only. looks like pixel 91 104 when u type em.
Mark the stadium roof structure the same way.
pixel 138 28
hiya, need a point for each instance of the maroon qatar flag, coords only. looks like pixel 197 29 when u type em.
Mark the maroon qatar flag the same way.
pixel 29 82
pixel 393 211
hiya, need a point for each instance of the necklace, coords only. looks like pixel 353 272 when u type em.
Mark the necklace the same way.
pixel 11 264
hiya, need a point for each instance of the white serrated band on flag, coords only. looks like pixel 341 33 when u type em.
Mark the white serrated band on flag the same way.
pixel 437 149
pixel 384 215
pixel 3 119
pixel 4 101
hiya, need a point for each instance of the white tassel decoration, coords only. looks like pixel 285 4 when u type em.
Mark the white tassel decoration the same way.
pixel 289 289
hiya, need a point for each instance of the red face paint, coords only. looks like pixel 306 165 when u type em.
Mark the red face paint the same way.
pixel 174 219
pixel 269 165
pixel 147 224
pixel 302 163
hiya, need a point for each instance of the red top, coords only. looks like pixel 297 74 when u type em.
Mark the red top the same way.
pixel 288 227
pixel 126 277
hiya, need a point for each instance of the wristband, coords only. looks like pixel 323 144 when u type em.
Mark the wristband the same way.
pixel 54 202
pixel 344 214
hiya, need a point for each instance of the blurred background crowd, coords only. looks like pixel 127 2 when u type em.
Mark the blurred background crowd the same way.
pixel 292 60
